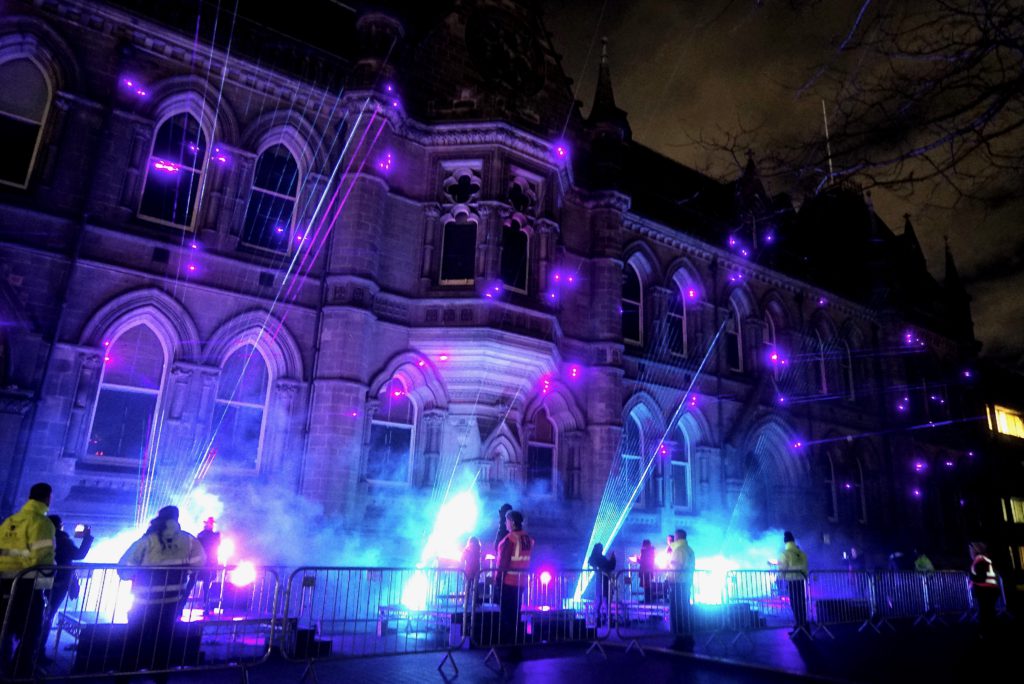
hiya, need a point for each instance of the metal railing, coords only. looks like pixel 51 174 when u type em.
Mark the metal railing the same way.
pixel 89 623
pixel 94 620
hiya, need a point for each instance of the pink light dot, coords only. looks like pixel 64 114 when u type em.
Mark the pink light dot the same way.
pixel 797 445
pixel 194 245
pixel 691 293
pixel 421 363
pixel 106 343
pixel 106 359
pixel 397 393
pixel 570 279
pixel 443 357
pixel 192 267
pixel 545 578
pixel 354 414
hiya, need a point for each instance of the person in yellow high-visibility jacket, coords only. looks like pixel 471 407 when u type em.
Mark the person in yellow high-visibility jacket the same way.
pixel 793 568
pixel 26 541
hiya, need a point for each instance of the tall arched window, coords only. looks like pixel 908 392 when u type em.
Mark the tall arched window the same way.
pixel 677 337
pixel 846 372
pixel 632 307
pixel 831 503
pixel 174 171
pixel 389 458
pixel 24 102
pixel 770 346
pixel 820 364
pixel 241 408
pixel 734 340
pixel 515 256
pixel 123 423
pixel 540 455
pixel 275 192
pixel 679 473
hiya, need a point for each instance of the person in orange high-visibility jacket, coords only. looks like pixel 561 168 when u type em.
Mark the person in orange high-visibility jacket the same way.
pixel 513 566
pixel 26 541
pixel 984 588
pixel 172 554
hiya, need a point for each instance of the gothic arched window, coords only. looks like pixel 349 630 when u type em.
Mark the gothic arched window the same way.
pixel 124 421
pixel 174 171
pixel 734 340
pixel 24 102
pixel 389 458
pixel 846 372
pixel 770 346
pixel 632 307
pixel 679 472
pixel 241 408
pixel 458 251
pixel 677 337
pixel 540 455
pixel 515 256
pixel 831 503
pixel 275 192
pixel 820 364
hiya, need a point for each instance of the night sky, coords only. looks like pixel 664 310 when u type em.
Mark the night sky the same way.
pixel 683 69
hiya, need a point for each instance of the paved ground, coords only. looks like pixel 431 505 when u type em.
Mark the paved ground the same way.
pixel 941 654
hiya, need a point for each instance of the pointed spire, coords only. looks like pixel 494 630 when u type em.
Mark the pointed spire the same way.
pixel 912 244
pixel 952 279
pixel 605 112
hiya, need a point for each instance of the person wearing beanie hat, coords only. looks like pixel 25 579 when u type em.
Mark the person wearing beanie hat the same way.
pixel 158 592
pixel 502 527
pixel 793 567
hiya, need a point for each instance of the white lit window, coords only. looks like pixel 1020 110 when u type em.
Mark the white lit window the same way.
pixel 174 172
pixel 241 408
pixel 24 101
pixel 123 423
pixel 1008 422
pixel 275 192
pixel 389 458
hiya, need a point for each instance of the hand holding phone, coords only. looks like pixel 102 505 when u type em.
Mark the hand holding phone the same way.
pixel 81 530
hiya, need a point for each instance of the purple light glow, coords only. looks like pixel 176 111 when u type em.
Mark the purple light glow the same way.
pixel 132 85
pixel 971 454
pixel 278 229
pixel 192 268
pixel 735 277
pixel 822 301
pixel 781 399
pixel 916 493
pixel 574 372
pixel 194 245
pixel 920 466
pixel 545 384
pixel 663 450
pixel 967 373
pixel 165 166
pixel 545 578
pixel 691 293
pixel 389 88
pixel 901 407
pixel 385 161
pixel 949 464
pixel 421 363
pixel 219 156
pixel 442 357
pixel 847 485
pixel 397 393
pixel 798 445
pixel 769 237
pixel 732 241
pixel 693 401
pixel 560 151
pixel 744 252
pixel 394 103
pixel 193 148
pixel 354 414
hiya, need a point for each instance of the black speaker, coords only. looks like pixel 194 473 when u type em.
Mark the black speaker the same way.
pixel 114 648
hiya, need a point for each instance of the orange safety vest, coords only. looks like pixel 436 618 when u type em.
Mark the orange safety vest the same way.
pixel 514 557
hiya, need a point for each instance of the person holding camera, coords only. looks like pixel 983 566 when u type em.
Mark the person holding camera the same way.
pixel 64 581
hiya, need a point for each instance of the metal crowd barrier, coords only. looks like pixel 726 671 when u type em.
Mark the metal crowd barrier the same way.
pixel 540 607
pixel 665 605
pixel 85 621
pixel 334 613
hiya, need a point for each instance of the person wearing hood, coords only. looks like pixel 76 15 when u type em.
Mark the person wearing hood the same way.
pixel 26 541
pixel 158 592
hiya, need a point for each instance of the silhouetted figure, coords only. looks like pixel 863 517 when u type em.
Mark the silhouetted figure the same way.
pixel 65 583
pixel 984 588
pixel 647 564
pixel 502 525
pixel 603 567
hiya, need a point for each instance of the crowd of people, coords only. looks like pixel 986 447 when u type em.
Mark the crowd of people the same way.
pixel 37 576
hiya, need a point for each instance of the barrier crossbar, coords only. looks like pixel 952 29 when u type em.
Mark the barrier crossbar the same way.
pixel 93 620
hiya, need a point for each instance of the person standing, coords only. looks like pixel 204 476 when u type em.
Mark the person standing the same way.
pixel 471 566
pixel 172 553
pixel 683 564
pixel 64 580
pixel 210 541
pixel 984 588
pixel 793 567
pixel 646 561
pixel 26 541
pixel 502 525
pixel 514 553
pixel 603 566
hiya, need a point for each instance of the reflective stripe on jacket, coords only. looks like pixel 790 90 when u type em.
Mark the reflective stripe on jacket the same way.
pixel 514 557
pixel 26 541
pixel 793 563
pixel 161 584
pixel 982 572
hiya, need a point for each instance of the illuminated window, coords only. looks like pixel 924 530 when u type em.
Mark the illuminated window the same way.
pixel 173 173
pixel 679 472
pixel 1008 422
pixel 1016 510
pixel 634 459
pixel 241 406
pixel 24 101
pixel 123 423
pixel 632 307
pixel 540 456
pixel 515 256
pixel 734 340
pixel 271 211
pixel 677 342
pixel 390 454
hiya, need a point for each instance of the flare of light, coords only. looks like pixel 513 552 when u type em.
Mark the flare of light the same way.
pixel 545 578
pixel 243 575
pixel 662 560
pixel 226 550
pixel 711 587
pixel 414 593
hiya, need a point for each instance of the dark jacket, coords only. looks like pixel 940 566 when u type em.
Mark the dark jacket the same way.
pixel 66 553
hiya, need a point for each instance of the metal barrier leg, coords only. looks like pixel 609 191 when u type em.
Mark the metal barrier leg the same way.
pixel 633 643
pixel 798 630
pixel 309 671
pixel 818 627
pixel 448 657
pixel 599 647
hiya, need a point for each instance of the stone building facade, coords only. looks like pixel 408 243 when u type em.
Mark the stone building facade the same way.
pixel 354 254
